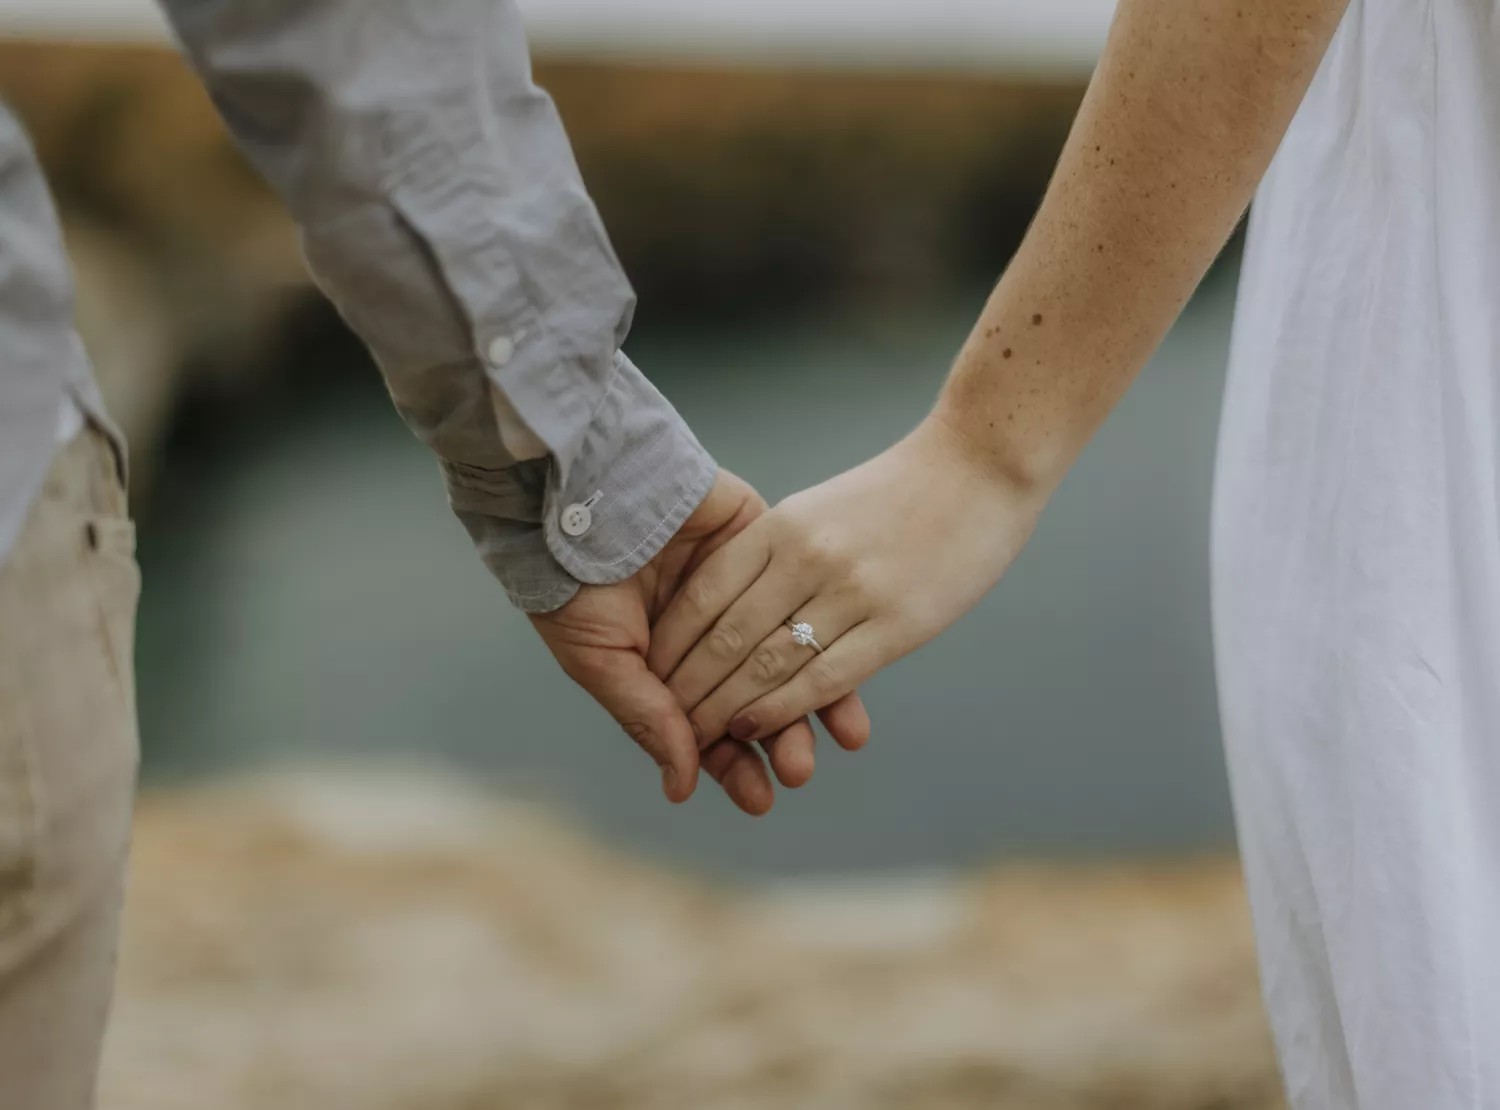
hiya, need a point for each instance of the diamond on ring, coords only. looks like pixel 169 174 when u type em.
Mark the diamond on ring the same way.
pixel 802 633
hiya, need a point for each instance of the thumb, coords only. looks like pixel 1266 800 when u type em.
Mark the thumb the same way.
pixel 650 715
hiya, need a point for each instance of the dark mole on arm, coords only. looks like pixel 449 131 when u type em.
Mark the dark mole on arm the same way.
pixel 1005 353
pixel 1037 319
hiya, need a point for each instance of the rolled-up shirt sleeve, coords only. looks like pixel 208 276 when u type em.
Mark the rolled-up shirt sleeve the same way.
pixel 442 212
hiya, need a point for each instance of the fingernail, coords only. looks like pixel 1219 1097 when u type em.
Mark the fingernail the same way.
pixel 742 728
pixel 669 780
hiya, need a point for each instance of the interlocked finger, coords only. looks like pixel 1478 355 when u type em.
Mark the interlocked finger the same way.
pixel 772 664
pixel 741 771
pixel 734 639
pixel 791 753
pixel 850 660
pixel 702 602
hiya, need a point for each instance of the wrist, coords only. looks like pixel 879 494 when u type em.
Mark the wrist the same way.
pixel 1006 462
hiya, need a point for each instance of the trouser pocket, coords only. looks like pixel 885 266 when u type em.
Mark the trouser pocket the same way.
pixel 68 742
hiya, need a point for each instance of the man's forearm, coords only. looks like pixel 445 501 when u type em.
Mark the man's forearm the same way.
pixel 1184 114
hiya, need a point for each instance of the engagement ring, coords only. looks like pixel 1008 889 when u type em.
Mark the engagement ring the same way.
pixel 802 633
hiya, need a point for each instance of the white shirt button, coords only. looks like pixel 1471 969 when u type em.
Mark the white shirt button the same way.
pixel 502 350
pixel 576 519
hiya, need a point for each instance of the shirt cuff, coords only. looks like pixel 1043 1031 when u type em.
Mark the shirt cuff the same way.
pixel 638 476
pixel 517 555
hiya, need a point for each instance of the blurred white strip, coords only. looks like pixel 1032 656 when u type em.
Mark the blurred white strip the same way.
pixel 83 19
pixel 999 34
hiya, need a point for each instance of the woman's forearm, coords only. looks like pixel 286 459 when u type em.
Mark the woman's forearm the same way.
pixel 1186 109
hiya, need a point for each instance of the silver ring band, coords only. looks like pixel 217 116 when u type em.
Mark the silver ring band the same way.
pixel 802 633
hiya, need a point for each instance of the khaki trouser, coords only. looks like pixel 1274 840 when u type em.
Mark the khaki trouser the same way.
pixel 68 755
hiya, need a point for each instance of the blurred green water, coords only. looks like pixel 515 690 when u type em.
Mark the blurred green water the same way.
pixel 309 599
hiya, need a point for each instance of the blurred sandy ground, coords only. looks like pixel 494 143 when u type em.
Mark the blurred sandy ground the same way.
pixel 403 942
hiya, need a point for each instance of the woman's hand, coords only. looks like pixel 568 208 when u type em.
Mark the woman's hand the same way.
pixel 878 561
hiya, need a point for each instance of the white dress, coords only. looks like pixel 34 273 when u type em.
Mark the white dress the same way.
pixel 1357 567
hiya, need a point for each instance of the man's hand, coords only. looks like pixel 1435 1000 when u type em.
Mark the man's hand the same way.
pixel 600 638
